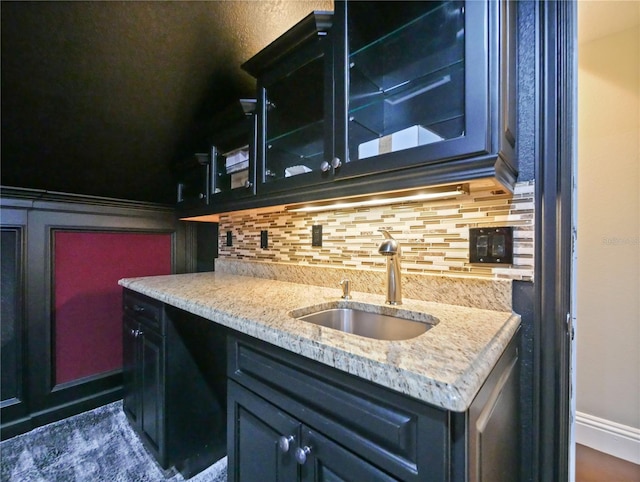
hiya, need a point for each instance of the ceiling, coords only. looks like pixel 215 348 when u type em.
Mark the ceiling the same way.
pixel 104 98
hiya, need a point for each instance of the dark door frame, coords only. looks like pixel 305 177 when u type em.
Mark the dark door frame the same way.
pixel 556 77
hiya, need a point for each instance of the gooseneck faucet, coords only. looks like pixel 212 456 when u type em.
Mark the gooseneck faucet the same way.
pixel 390 248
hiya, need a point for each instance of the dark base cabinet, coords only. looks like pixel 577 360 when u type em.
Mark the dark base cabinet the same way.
pixel 290 418
pixel 263 452
pixel 174 383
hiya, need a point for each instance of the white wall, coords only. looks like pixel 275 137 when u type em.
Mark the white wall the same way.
pixel 608 247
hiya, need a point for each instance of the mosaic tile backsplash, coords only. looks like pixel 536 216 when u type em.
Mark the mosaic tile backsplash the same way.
pixel 434 235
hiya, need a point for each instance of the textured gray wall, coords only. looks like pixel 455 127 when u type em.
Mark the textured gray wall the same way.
pixel 526 90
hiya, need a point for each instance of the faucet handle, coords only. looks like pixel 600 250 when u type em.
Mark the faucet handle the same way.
pixel 346 289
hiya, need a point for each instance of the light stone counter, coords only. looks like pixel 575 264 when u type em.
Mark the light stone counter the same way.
pixel 445 366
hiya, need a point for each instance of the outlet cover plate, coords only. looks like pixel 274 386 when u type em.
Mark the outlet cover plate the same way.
pixel 316 235
pixel 492 245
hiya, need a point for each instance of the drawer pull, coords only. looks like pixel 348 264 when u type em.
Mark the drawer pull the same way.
pixel 284 443
pixel 138 308
pixel 302 453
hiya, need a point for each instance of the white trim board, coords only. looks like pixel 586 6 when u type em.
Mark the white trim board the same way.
pixel 609 437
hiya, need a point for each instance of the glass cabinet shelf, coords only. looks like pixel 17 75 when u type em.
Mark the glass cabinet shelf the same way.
pixel 362 97
pixel 437 17
pixel 296 152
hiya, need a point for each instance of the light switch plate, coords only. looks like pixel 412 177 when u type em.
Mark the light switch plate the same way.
pixel 491 245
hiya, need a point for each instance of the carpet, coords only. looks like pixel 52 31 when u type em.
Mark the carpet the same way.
pixel 94 446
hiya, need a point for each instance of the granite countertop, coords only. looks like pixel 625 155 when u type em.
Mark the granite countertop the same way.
pixel 446 366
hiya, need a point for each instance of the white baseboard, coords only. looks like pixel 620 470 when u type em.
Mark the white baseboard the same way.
pixel 609 437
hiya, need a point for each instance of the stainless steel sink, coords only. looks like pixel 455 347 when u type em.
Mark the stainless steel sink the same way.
pixel 370 325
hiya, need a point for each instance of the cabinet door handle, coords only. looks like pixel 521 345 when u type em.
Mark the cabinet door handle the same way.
pixel 325 166
pixel 136 333
pixel 248 184
pixel 336 162
pixel 284 443
pixel 138 308
pixel 302 453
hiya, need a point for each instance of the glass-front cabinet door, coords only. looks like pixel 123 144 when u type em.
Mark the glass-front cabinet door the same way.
pixel 376 88
pixel 411 82
pixel 233 161
pixel 294 121
pixel 295 106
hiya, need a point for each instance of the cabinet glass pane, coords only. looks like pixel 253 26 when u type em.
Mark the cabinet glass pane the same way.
pixel 294 122
pixel 406 75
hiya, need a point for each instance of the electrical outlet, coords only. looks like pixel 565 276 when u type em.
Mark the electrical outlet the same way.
pixel 491 245
pixel 264 239
pixel 229 238
pixel 316 235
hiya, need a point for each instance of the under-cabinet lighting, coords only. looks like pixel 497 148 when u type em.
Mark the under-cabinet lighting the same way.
pixel 205 218
pixel 380 200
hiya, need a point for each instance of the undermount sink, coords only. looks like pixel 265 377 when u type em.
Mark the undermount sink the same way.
pixel 367 324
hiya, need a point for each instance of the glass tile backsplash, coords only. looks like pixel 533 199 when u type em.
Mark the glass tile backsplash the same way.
pixel 434 235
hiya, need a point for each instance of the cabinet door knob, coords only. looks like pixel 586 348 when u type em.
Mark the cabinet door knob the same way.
pixel 138 308
pixel 284 443
pixel 325 166
pixel 248 184
pixel 136 333
pixel 336 162
pixel 302 453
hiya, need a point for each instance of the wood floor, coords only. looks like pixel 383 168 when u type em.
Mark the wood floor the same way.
pixel 594 466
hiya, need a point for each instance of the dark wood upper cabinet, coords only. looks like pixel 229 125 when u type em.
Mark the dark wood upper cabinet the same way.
pixel 295 106
pixel 385 96
pixel 223 174
pixel 418 84
pixel 233 155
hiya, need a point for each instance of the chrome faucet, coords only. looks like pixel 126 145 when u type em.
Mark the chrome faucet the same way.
pixel 390 248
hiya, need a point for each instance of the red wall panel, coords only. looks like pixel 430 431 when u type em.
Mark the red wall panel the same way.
pixel 87 299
